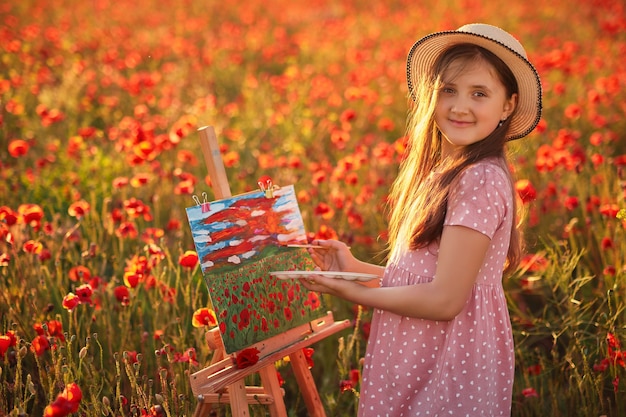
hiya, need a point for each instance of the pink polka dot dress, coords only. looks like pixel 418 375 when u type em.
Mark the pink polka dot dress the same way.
pixel 463 367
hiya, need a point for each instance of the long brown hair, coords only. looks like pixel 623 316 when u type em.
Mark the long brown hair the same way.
pixel 418 201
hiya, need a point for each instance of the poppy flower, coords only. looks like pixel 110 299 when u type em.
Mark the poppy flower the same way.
pixel 31 214
pixel 609 210
pixel 18 147
pixel 247 357
pixel 79 209
pixel 313 301
pixel 5 344
pixel 122 294
pixel 525 190
pixel 324 211
pixel 66 403
pixel 55 329
pixel 32 246
pixel 131 356
pixel 132 279
pixel 70 301
pixel 308 355
pixel 529 392
pixel 601 366
pixel 40 345
pixel 84 293
pixel 189 259
pixel 127 230
pixel 345 385
pixel 204 317
pixel 79 273
pixel 120 182
pixel 8 216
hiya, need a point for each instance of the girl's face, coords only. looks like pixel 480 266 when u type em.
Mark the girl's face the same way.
pixel 471 103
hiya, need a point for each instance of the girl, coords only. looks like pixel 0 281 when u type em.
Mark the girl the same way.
pixel 441 341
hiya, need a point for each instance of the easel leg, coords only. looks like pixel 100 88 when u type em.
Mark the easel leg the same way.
pixel 238 399
pixel 306 384
pixel 269 380
pixel 202 410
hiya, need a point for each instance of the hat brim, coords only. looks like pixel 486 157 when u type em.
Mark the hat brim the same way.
pixel 427 50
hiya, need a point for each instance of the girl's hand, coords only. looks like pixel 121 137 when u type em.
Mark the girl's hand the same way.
pixel 333 286
pixel 333 255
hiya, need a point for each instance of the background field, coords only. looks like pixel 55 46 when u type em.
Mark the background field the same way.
pixel 99 157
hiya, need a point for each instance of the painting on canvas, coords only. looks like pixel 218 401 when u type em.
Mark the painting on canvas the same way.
pixel 239 241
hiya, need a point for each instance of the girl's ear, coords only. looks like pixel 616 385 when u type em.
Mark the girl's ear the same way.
pixel 509 106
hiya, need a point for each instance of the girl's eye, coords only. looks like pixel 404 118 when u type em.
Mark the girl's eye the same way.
pixel 447 90
pixel 480 94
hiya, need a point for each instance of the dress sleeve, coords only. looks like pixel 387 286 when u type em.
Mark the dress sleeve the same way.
pixel 480 199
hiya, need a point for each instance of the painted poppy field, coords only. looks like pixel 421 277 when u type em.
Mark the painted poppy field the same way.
pixel 103 306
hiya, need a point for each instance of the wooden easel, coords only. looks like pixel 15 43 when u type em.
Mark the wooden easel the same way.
pixel 222 382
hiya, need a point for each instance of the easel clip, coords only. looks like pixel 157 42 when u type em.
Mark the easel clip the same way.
pixel 266 184
pixel 205 205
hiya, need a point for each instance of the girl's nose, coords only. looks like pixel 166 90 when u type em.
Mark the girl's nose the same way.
pixel 459 106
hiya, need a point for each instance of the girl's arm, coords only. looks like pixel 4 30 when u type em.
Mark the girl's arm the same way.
pixel 461 254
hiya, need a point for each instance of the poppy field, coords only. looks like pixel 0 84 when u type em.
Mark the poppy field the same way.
pixel 103 305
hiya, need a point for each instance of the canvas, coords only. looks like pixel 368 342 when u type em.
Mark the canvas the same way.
pixel 239 241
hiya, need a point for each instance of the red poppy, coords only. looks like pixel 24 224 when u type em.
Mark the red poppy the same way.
pixel 244 319
pixel 70 301
pixel 534 369
pixel 31 214
pixel 5 344
pixel 324 211
pixel 529 392
pixel 571 203
pixel 79 273
pixel 247 357
pixel 288 314
pixel 609 270
pixel 40 345
pixel 573 111
pixel 31 246
pixel 79 209
pixel 525 190
pixel 18 147
pixel 84 293
pixel 55 329
pixel 8 216
pixel 607 243
pixel 66 403
pixel 339 138
pixel 602 366
pixel 313 301
pixel 534 262
pixel 189 259
pixel 122 294
pixel 345 385
pixel 326 232
pixel 173 224
pixel 204 317
pixel 386 124
pixel 86 132
pixel 120 182
pixel 127 230
pixel 231 159
pixel 130 356
pixel 609 210
pixel 308 354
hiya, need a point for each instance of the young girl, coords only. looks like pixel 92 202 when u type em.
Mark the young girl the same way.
pixel 441 341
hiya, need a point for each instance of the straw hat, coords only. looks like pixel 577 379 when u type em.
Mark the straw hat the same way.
pixel 425 52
